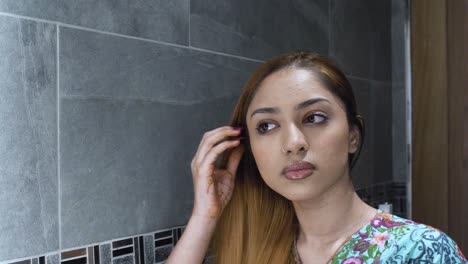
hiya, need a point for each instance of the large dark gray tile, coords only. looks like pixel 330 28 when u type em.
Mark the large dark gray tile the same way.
pixel 381 131
pixel 399 21
pixel 374 100
pixel 129 128
pixel 126 164
pixel 154 19
pixel 360 37
pixel 28 132
pixel 97 65
pixel 362 172
pixel 259 29
pixel 399 137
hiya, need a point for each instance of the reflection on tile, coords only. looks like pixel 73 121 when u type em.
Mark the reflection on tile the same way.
pixel 159 20
pixel 258 29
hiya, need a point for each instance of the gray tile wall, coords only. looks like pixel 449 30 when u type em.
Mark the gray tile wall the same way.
pixel 259 29
pixel 102 104
pixel 400 101
pixel 28 138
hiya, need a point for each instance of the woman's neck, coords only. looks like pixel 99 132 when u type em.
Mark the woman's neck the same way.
pixel 333 216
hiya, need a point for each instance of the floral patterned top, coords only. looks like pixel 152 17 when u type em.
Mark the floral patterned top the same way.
pixel 391 239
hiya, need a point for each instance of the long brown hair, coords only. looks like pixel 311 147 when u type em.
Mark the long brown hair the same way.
pixel 258 225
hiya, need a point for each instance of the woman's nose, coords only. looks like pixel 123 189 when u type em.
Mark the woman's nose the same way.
pixel 295 141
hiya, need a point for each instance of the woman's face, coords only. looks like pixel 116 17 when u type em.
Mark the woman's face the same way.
pixel 293 118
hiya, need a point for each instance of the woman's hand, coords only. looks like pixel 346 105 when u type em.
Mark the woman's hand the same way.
pixel 214 187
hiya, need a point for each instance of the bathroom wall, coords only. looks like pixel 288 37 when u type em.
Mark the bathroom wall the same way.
pixel 103 104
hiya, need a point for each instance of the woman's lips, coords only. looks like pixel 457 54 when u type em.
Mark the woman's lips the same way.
pixel 299 170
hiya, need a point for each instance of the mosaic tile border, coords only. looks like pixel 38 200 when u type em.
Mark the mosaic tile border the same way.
pixel 152 248
pixel 155 247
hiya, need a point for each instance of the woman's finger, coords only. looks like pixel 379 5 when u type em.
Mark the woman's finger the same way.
pixel 212 155
pixel 201 150
pixel 212 138
pixel 234 159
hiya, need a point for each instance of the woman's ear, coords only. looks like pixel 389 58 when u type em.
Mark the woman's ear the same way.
pixel 354 140
pixel 355 136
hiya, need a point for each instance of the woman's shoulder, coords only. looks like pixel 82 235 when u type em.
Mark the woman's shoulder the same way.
pixel 409 242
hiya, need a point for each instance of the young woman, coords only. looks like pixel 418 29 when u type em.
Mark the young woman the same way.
pixel 282 190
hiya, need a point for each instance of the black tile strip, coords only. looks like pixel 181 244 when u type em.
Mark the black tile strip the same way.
pixel 75 261
pixel 121 243
pixel 122 251
pixel 163 234
pixel 163 242
pixel 96 255
pixel 42 260
pixel 174 237
pixel 142 250
pixel 135 249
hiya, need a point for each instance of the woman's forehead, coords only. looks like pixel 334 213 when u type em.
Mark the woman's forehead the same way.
pixel 289 87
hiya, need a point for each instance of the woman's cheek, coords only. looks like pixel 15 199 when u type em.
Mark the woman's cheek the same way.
pixel 263 157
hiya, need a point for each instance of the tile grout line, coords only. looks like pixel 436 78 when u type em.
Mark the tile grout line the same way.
pixel 58 142
pixel 127 36
pixel 165 43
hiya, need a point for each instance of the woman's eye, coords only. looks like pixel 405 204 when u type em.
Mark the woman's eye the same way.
pixel 316 118
pixel 263 128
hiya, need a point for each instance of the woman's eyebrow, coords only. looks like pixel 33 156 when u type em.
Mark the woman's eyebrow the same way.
pixel 269 110
pixel 274 110
pixel 310 102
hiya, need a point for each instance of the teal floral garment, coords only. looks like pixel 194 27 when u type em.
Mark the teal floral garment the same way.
pixel 394 240
pixel 391 239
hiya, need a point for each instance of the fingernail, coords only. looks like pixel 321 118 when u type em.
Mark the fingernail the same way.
pixel 238 128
